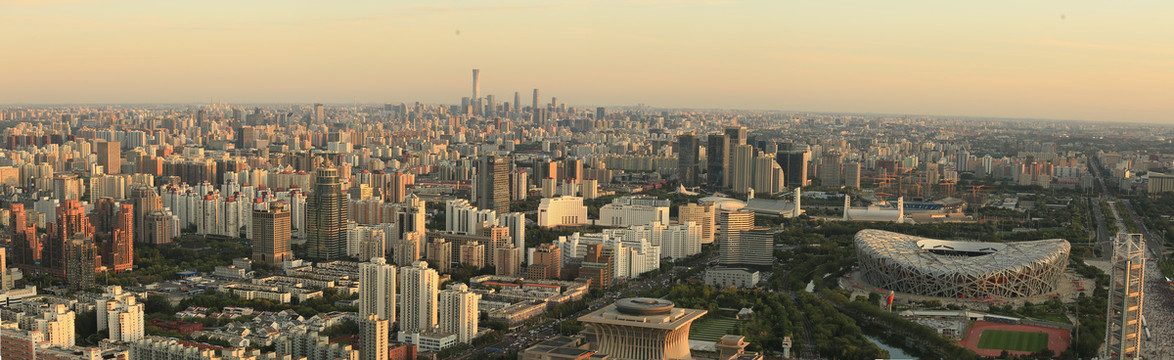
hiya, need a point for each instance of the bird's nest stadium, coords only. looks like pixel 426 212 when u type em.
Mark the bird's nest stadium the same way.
pixel 960 269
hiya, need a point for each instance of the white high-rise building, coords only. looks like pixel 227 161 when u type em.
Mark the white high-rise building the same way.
pixel 377 289
pixel 420 286
pixel 516 222
pixel 465 219
pixel 459 312
pixel 121 314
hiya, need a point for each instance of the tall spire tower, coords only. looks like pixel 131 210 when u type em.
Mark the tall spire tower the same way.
pixel 476 84
pixel 1126 280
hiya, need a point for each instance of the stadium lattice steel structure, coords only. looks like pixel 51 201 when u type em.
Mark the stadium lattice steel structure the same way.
pixel 960 269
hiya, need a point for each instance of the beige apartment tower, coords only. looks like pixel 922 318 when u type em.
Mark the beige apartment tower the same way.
pixel 703 215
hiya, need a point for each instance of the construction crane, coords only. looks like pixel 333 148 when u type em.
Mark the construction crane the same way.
pixel 974 190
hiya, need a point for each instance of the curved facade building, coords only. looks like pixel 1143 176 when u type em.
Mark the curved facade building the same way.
pixel 641 328
pixel 960 269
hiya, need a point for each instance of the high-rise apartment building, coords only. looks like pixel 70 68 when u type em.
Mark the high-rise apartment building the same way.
pixel 81 257
pixel 118 247
pixel 271 233
pixel 439 254
pixel 326 217
pixel 374 336
pixel 72 223
pixel 508 260
pixel 145 201
pixel 407 249
pixel 121 314
pixel 717 150
pixel 459 312
pixel 546 264
pixel 473 254
pixel 26 247
pixel 377 289
pixel 409 218
pixel 420 286
pixel 493 184
pixel 703 215
pixel 688 154
pixel 741 168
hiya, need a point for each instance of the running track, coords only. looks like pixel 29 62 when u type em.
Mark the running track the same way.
pixel 1058 339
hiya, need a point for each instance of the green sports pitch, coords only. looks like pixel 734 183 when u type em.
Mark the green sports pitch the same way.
pixel 1013 340
pixel 712 329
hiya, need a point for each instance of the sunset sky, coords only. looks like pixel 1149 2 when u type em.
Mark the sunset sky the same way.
pixel 1089 60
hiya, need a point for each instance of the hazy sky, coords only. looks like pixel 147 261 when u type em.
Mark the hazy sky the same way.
pixel 1091 60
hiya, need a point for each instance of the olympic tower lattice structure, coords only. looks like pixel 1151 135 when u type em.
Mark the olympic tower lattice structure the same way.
pixel 1126 285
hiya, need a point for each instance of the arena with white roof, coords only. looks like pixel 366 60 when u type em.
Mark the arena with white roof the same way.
pixel 960 269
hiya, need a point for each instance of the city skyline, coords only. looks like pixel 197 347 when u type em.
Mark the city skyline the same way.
pixel 1042 61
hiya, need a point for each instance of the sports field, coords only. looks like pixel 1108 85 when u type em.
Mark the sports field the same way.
pixel 1013 340
pixel 712 329
pixel 989 339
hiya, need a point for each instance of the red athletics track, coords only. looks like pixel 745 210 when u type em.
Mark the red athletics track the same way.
pixel 1058 339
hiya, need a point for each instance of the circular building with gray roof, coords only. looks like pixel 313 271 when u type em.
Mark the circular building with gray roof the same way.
pixel 960 269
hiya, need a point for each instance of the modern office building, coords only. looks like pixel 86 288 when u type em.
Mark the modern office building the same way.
pixel 717 150
pixel 110 156
pixel 326 217
pixel 377 289
pixel 794 163
pixel 641 328
pixel 736 134
pixel 493 183
pixel 420 286
pixel 271 233
pixel 688 154
pixel 459 312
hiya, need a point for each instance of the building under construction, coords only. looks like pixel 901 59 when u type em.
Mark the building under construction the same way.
pixel 1123 337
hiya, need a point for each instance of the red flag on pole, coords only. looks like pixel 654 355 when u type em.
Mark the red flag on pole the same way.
pixel 890 299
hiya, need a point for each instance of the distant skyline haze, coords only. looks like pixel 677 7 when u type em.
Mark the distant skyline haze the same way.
pixel 1080 60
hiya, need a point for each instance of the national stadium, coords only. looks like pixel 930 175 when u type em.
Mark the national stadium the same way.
pixel 960 269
